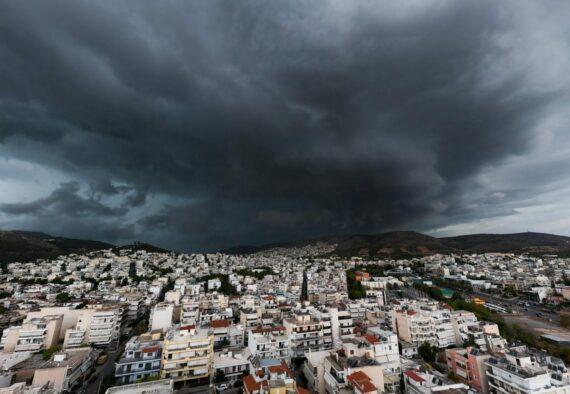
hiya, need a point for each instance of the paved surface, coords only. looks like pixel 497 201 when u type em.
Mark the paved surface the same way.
pixel 530 312
pixel 101 371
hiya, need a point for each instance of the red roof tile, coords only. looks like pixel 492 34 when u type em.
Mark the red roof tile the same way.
pixel 219 323
pixel 371 339
pixel 414 376
pixel 250 384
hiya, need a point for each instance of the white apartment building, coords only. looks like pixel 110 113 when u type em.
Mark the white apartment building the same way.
pixel 419 326
pixel 342 326
pixel 522 373
pixel 386 349
pixel 161 317
pixel 307 333
pixel 189 312
pixel 272 342
pixel 417 382
pixel 101 326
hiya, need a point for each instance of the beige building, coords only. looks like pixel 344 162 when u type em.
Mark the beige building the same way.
pixel 66 370
pixel 187 354
pixel 33 335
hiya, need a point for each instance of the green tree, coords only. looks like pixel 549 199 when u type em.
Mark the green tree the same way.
pixel 470 342
pixel 220 376
pixel 47 353
pixel 427 352
pixel 62 297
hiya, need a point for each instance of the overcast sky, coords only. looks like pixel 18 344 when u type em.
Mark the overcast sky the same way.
pixel 198 125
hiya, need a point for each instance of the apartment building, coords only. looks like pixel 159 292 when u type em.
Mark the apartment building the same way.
pixel 231 366
pixel 250 317
pixel 419 326
pixel 314 370
pixel 444 332
pixel 33 335
pixel 189 312
pixel 418 382
pixel 386 353
pixel 340 369
pixel 522 372
pixel 469 366
pixel 342 325
pixel 101 325
pixel 414 327
pixel 66 370
pixel 141 358
pixel 161 317
pixel 307 333
pixel 270 342
pixel 276 379
pixel 187 354
pixel 164 386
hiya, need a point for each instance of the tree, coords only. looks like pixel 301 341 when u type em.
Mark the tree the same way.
pixel 220 376
pixel 62 297
pixel 304 288
pixel 470 342
pixel 47 353
pixel 132 269
pixel 427 352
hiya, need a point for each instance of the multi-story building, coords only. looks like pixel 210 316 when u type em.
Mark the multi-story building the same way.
pixel 314 370
pixel 421 325
pixel 164 386
pixel 140 360
pixel 307 333
pixel 339 370
pixel 386 353
pixel 276 379
pixel 33 335
pixel 444 332
pixel 161 317
pixel 250 317
pixel 230 367
pixel 414 327
pixel 524 373
pixel 65 370
pixel 469 366
pixel 102 326
pixel 187 354
pixel 270 342
pixel 417 382
pixel 189 312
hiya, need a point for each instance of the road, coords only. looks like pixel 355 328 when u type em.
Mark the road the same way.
pixel 101 371
pixel 531 311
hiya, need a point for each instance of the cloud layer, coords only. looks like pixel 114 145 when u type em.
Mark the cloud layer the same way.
pixel 199 125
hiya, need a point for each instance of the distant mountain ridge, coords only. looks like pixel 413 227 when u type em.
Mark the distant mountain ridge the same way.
pixel 411 243
pixel 26 246
pixel 29 245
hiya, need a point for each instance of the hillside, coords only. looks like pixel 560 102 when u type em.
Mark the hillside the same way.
pixel 28 246
pixel 403 244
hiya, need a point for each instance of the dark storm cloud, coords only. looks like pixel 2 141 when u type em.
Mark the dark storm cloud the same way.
pixel 252 121
pixel 63 201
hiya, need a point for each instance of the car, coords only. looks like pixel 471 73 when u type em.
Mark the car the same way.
pixel 222 387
